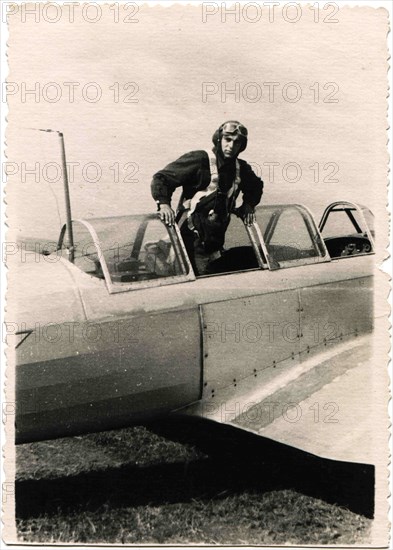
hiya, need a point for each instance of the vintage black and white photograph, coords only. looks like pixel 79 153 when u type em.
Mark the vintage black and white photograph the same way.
pixel 196 324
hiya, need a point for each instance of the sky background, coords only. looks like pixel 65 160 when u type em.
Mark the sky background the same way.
pixel 169 53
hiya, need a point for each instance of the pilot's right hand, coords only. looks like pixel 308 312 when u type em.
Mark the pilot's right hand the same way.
pixel 166 214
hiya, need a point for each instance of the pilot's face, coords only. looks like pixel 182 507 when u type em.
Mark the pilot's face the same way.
pixel 230 146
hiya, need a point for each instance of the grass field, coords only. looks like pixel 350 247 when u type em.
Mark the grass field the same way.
pixel 136 486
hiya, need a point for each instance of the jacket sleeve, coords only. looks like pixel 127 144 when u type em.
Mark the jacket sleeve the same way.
pixel 186 171
pixel 251 185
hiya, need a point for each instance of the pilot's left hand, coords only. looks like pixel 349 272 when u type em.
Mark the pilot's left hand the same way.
pixel 247 213
pixel 249 219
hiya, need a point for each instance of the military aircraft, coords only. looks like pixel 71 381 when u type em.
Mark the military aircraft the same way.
pixel 114 328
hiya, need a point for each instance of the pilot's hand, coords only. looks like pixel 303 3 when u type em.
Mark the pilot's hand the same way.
pixel 166 214
pixel 246 213
pixel 249 218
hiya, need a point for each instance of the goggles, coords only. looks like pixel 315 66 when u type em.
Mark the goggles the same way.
pixel 233 127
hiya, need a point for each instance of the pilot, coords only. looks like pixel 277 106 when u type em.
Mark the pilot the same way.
pixel 211 182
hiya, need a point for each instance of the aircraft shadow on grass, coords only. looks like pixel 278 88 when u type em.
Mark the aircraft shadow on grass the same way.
pixel 236 461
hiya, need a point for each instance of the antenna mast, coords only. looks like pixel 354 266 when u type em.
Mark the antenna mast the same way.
pixel 66 191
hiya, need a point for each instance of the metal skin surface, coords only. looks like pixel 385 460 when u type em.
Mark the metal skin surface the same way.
pixel 257 353
pixel 92 360
pixel 260 332
pixel 109 374
pixel 323 405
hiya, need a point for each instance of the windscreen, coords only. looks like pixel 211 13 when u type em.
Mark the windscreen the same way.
pixel 289 234
pixel 135 248
pixel 345 219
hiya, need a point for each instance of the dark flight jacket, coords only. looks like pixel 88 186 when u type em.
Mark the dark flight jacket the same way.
pixel 192 172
